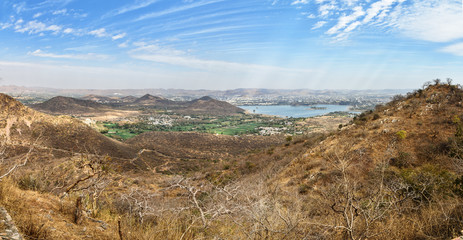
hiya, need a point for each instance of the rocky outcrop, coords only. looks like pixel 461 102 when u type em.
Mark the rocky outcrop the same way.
pixel 8 230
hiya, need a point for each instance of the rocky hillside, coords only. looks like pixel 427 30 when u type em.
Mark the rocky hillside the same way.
pixel 200 148
pixel 210 106
pixel 401 161
pixel 203 106
pixel 68 105
pixel 410 131
pixel 393 173
pixel 20 125
pixel 154 100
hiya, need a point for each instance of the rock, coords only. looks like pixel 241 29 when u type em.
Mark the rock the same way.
pixel 10 232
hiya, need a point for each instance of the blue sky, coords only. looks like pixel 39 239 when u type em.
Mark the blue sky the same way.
pixel 226 44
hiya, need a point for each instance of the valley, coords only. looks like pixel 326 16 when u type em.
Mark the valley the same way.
pixel 126 117
pixel 231 120
pixel 177 174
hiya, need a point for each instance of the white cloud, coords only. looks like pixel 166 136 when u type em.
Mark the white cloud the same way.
pixel 299 2
pixel 68 30
pixel 433 20
pixel 129 8
pixel 456 49
pixel 4 26
pixel 344 20
pixel 61 3
pixel 154 49
pixel 326 9
pixel 178 9
pixel 350 2
pixel 430 20
pixel 34 27
pixel 352 26
pixel 88 56
pixel 156 53
pixel 119 36
pixel 377 8
pixel 319 24
pixel 37 15
pixel 60 12
pixel 124 44
pixel 19 7
pixel 98 32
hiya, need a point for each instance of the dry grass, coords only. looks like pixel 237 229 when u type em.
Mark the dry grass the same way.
pixel 363 182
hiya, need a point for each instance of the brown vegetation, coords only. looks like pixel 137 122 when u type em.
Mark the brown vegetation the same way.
pixel 68 105
pixel 96 105
pixel 394 173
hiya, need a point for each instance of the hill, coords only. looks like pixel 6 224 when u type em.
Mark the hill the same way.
pixel 68 105
pixel 192 145
pixel 393 173
pixel 401 161
pixel 100 99
pixel 9 106
pixel 209 106
pixel 22 125
pixel 154 101
pixel 202 106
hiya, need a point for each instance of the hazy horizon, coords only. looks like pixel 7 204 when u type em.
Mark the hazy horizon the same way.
pixel 223 44
pixel 206 89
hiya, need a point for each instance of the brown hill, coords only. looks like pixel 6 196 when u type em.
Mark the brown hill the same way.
pixel 128 99
pixel 68 105
pixel 192 145
pixel 364 181
pixel 205 105
pixel 414 125
pixel 21 126
pixel 9 106
pixel 153 100
pixel 210 106
pixel 394 173
pixel 100 99
pixel 186 151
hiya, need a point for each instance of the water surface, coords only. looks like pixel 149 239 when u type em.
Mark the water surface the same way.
pixel 296 111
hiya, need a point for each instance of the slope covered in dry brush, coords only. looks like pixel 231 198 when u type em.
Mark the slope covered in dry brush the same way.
pixel 393 173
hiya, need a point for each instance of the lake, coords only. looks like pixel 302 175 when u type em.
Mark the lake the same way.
pixel 296 111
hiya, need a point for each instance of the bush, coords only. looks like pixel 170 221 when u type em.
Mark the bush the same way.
pixel 428 181
pixel 289 138
pixel 401 161
pixel 458 186
pixel 34 229
pixel 303 188
pixel 397 98
pixel 30 182
pixel 402 134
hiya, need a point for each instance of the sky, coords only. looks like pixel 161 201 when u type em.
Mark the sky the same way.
pixel 229 44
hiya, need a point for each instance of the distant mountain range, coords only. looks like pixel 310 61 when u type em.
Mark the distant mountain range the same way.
pixel 94 103
pixel 193 94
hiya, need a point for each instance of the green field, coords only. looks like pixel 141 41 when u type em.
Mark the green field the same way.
pixel 233 125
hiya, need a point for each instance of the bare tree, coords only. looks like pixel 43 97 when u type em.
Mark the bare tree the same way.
pixel 18 163
pixel 140 203
pixel 360 207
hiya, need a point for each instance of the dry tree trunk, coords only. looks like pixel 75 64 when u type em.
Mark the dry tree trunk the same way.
pixel 119 229
pixel 79 213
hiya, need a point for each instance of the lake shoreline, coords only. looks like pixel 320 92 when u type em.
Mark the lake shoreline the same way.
pixel 286 111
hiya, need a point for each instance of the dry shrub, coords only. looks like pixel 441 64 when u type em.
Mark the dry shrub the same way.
pixel 32 227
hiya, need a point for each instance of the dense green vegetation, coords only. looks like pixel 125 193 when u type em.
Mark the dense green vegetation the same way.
pixel 228 125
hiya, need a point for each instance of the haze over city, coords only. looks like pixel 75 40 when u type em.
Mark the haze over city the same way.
pixel 223 44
